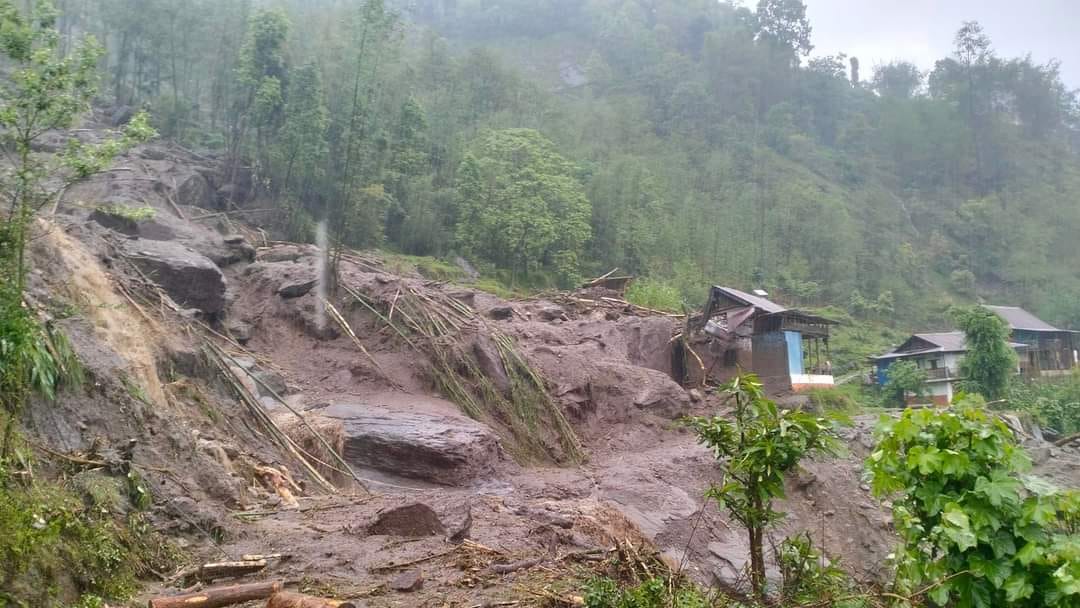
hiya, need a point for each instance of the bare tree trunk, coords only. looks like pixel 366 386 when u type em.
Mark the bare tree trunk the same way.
pixel 216 597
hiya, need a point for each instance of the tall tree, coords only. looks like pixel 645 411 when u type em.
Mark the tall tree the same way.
pixel 989 362
pixel 899 79
pixel 527 210
pixel 47 90
pixel 262 71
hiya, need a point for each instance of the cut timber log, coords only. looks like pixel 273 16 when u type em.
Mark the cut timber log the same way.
pixel 1066 441
pixel 214 571
pixel 285 599
pixel 216 597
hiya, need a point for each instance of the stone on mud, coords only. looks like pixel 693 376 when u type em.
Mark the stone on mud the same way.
pixel 241 331
pixel 413 520
pixel 296 287
pixel 191 279
pixel 501 313
pixel 407 582
pixel 444 449
pixel 490 361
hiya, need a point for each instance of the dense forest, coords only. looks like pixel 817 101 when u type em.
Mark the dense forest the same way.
pixel 689 141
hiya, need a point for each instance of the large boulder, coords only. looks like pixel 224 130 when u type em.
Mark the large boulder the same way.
pixel 444 449
pixel 191 279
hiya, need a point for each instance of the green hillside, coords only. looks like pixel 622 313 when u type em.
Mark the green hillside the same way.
pixel 690 141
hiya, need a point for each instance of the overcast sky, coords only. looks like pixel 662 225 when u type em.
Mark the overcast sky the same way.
pixel 877 31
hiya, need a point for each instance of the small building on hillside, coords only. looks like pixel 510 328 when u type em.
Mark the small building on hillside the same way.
pixel 1050 351
pixel 788 349
pixel 937 354
pixel 1042 349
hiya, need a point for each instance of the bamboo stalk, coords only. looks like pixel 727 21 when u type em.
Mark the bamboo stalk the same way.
pixel 260 414
pixel 356 296
pixel 303 421
pixel 356 341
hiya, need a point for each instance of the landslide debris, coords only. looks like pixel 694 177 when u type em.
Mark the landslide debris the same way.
pixel 541 429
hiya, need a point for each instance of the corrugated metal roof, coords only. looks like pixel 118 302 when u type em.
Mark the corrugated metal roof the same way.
pixel 948 341
pixel 758 302
pixel 1018 318
pixel 944 342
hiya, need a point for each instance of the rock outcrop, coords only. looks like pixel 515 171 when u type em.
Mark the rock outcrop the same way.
pixel 448 450
pixel 190 279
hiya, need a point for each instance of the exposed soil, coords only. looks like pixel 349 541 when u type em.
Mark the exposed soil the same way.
pixel 205 455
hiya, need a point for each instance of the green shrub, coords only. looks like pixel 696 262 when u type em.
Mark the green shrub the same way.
pixel 655 294
pixel 1055 403
pixel 61 542
pixel 756 450
pixel 904 377
pixel 653 593
pixel 812 579
pixel 975 532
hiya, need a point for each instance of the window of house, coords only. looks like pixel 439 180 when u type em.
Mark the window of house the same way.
pixel 731 357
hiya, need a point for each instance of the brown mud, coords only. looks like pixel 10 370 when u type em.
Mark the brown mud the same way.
pixel 641 478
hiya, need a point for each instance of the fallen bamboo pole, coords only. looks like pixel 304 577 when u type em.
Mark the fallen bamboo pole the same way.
pixel 260 414
pixel 216 597
pixel 303 421
pixel 213 571
pixel 356 341
pixel 284 599
pixel 356 296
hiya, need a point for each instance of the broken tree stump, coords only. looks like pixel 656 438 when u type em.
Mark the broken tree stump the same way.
pixel 216 597
pixel 285 599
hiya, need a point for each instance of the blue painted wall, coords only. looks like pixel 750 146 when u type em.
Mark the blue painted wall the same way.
pixel 794 352
pixel 883 370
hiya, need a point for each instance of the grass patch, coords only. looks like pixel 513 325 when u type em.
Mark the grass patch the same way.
pixel 135 390
pixel 131 214
pixel 853 341
pixel 427 267
pixel 498 289
pixel 846 398
pixel 658 295
pixel 72 542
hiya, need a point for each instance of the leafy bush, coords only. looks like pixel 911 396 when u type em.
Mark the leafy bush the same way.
pixel 32 357
pixel 756 450
pixel 810 578
pixel 904 377
pixel 653 593
pixel 655 294
pixel 974 531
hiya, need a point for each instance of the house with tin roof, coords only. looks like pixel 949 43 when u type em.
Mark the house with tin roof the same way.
pixel 938 355
pixel 1050 351
pixel 1042 350
pixel 787 348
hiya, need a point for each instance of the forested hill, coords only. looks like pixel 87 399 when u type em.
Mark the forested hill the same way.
pixel 690 141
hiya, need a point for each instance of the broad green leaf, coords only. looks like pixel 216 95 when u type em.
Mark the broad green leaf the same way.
pixel 957 527
pixel 1018 587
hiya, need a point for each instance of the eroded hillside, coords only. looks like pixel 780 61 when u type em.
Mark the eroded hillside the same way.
pixel 392 439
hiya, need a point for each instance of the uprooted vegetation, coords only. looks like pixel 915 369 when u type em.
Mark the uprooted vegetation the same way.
pixel 455 337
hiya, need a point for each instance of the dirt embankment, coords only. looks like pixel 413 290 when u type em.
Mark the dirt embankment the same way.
pixel 532 430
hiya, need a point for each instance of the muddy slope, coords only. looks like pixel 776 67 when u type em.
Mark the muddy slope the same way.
pixel 140 301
